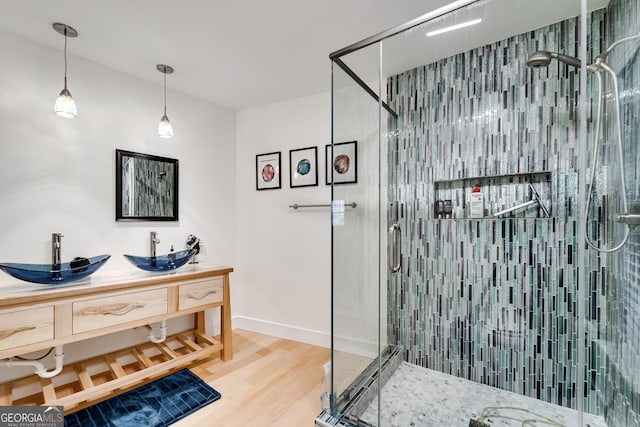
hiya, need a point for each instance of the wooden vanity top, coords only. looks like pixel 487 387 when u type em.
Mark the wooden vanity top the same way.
pixel 24 293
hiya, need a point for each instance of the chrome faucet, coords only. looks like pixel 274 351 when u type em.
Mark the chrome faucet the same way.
pixel 56 248
pixel 153 239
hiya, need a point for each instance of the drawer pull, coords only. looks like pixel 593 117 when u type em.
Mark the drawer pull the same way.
pixel 7 333
pixel 114 309
pixel 124 310
pixel 201 294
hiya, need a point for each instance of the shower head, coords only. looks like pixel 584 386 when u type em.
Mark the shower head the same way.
pixel 542 58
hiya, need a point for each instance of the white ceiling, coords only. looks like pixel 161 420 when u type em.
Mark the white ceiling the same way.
pixel 500 19
pixel 235 53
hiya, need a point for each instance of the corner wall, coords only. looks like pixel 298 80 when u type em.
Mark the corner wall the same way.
pixel 283 282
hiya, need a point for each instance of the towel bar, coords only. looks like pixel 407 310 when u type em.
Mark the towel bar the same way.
pixel 328 205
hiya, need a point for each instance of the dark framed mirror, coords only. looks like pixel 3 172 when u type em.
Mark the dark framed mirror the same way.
pixel 146 187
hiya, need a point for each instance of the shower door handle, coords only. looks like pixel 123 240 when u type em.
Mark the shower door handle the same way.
pixel 393 248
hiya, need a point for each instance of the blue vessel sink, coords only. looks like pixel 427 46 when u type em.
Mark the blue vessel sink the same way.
pixel 170 261
pixel 55 274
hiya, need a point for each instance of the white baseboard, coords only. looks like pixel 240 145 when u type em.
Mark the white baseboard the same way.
pixel 293 333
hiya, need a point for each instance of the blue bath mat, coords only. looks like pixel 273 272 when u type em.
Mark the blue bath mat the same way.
pixel 157 404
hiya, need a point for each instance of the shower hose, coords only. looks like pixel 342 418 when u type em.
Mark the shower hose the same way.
pixel 596 67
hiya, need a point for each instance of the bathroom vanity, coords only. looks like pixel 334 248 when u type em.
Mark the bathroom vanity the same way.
pixel 32 320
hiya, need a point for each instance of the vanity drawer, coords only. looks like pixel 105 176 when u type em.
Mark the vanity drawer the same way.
pixel 201 293
pixel 18 328
pixel 108 311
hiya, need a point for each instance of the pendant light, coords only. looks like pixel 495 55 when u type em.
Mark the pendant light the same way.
pixel 165 130
pixel 65 105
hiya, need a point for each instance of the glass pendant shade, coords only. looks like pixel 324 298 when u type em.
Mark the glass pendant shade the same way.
pixel 65 105
pixel 165 130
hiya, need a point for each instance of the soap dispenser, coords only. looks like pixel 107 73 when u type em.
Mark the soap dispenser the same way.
pixel 477 203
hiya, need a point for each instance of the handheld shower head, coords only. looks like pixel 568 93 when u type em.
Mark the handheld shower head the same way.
pixel 542 58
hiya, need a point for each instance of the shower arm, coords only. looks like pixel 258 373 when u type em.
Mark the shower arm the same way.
pixel 616 43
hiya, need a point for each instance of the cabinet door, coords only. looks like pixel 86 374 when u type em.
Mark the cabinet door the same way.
pixel 110 310
pixel 23 327
pixel 201 293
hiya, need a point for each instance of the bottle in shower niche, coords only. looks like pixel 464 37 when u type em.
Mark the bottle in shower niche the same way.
pixel 477 203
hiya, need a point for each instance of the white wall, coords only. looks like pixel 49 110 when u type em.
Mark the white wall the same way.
pixel 58 174
pixel 282 285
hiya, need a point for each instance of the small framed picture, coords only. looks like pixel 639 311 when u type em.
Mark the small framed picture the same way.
pixel 268 171
pixel 342 165
pixel 303 163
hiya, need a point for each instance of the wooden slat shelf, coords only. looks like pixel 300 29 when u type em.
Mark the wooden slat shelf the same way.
pixel 97 379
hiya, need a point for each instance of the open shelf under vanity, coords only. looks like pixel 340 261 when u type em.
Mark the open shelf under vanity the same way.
pixel 86 383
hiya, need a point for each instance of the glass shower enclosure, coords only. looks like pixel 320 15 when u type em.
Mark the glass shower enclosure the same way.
pixel 485 262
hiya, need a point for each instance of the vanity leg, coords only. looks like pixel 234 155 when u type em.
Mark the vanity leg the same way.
pixel 199 323
pixel 225 322
pixel 5 394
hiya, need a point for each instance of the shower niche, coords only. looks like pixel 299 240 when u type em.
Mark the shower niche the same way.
pixel 519 195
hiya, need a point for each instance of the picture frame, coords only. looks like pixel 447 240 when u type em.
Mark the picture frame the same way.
pixel 146 187
pixel 343 161
pixel 268 171
pixel 303 167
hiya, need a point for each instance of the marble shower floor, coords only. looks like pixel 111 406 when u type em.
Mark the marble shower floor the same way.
pixel 420 397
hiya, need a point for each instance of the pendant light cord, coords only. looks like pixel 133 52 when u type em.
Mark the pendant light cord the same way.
pixel 165 90
pixel 65 58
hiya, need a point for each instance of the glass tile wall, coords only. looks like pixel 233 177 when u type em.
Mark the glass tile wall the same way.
pixel 494 300
pixel 622 343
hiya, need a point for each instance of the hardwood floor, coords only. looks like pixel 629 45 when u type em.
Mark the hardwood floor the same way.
pixel 269 381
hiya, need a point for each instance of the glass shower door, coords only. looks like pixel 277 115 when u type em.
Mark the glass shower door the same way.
pixel 353 167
